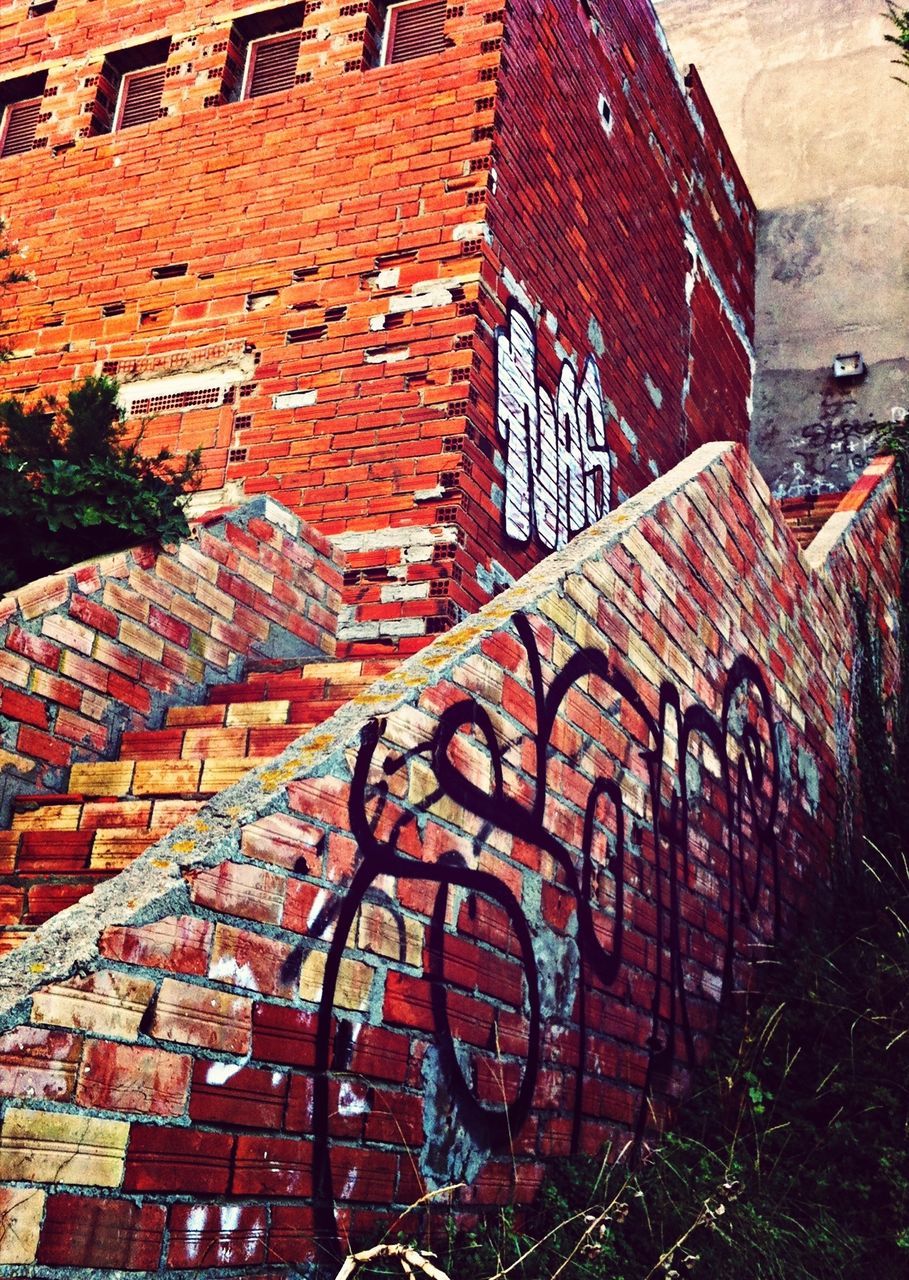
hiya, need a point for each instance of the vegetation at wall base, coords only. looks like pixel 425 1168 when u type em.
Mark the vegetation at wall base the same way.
pixel 70 489
pixel 791 1158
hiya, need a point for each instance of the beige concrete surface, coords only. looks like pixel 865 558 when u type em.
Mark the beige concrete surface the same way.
pixel 805 93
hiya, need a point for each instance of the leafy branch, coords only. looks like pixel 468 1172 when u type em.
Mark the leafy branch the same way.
pixel 10 274
pixel 900 19
pixel 70 489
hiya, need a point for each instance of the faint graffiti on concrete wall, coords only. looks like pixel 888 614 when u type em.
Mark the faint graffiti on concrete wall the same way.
pixel 557 465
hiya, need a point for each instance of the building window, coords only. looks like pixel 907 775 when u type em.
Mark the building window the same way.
pixel 139 99
pixel 263 52
pixel 20 107
pixel 130 87
pixel 414 29
pixel 271 65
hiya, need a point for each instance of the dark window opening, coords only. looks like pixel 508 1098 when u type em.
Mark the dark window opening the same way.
pixel 20 108
pixel 271 65
pixel 130 87
pixel 414 29
pixel 262 53
pixel 140 97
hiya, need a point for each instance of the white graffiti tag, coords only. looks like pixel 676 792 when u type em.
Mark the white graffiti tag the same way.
pixel 557 466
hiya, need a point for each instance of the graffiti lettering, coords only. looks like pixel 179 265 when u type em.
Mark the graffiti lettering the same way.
pixel 740 743
pixel 557 469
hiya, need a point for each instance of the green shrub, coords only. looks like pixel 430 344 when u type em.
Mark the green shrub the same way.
pixel 70 489
pixel 899 17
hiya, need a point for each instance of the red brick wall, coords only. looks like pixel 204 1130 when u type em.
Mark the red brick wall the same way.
pixel 88 653
pixel 438 943
pixel 344 253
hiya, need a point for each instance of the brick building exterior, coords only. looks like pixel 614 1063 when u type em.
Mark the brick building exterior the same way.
pixel 449 308
pixel 302 944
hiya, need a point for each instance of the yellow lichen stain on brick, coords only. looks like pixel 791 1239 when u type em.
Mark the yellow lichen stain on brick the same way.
pixel 181 846
pixel 45 1146
pixel 353 986
pixel 272 779
pixel 21 1211
pixel 107 1004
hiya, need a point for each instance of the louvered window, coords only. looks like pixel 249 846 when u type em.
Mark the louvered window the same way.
pixel 140 97
pixel 20 120
pixel 272 65
pixel 415 30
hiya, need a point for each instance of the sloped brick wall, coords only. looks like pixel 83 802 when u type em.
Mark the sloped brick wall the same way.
pixel 89 652
pixel 481 917
pixel 326 270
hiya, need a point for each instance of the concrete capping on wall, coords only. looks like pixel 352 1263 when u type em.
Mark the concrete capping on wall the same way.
pixel 336 938
pixel 108 645
pixel 834 533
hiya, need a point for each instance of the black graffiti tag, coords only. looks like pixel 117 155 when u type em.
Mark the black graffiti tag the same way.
pixel 747 767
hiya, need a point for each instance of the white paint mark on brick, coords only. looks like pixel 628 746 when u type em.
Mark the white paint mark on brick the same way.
pixel 226 969
pixel 653 391
pixel 393 356
pixel 470 231
pixel 221 1072
pixel 350 1101
pixel 230 1217
pixel 425 295
pixel 400 627
pixel 195 1224
pixel 294 399
pixel 404 591
pixel 410 537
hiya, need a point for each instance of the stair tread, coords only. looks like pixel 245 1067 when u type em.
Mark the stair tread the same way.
pixel 60 846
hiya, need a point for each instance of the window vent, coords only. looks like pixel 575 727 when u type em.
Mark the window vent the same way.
pixel 20 120
pixel 140 97
pixel 415 30
pixel 272 65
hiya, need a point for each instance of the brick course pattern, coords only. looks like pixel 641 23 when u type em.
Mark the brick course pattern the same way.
pixel 483 916
pixel 88 653
pixel 309 285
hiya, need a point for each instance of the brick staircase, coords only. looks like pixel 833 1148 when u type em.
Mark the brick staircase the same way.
pixel 60 846
pixel 805 516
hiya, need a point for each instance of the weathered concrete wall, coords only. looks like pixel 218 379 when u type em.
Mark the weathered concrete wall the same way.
pixel 805 94
pixel 91 651
pixel 483 916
